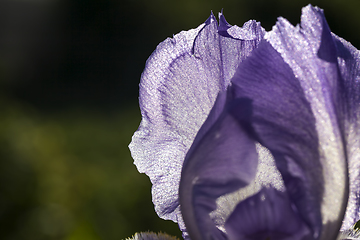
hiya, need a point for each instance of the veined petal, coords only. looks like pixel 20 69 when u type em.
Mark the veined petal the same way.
pixel 284 123
pixel 177 91
pixel 281 120
pixel 269 214
pixel 294 102
pixel 311 53
pixel 349 66
pixel 222 161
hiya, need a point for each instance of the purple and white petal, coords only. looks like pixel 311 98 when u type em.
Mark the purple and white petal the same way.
pixel 310 51
pixel 280 119
pixel 284 123
pixel 301 114
pixel 249 119
pixel 178 88
pixel 266 215
pixel 221 160
pixel 349 66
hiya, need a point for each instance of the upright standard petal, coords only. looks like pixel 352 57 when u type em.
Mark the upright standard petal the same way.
pixel 177 91
pixel 285 124
pixel 222 159
pixel 305 111
pixel 266 215
pixel 283 132
pixel 280 118
pixel 349 67
pixel 328 70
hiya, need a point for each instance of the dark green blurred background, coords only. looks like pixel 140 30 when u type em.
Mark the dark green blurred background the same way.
pixel 69 75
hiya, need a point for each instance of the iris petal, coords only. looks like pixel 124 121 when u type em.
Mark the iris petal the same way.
pixel 284 123
pixel 269 214
pixel 280 119
pixel 177 91
pixel 294 101
pixel 311 52
pixel 349 67
pixel 222 161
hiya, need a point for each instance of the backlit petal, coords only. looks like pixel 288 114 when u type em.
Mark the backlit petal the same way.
pixel 177 91
pixel 310 51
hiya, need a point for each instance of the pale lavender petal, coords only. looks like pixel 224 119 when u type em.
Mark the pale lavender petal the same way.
pixel 177 91
pixel 349 66
pixel 311 53
pixel 237 44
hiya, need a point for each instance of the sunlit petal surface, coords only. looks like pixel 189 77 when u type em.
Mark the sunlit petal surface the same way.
pixel 328 70
pixel 236 117
pixel 178 88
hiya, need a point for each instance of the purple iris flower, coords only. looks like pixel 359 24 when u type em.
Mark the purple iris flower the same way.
pixel 248 134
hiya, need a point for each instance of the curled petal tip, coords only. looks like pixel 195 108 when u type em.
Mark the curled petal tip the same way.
pixel 223 24
pixel 210 19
